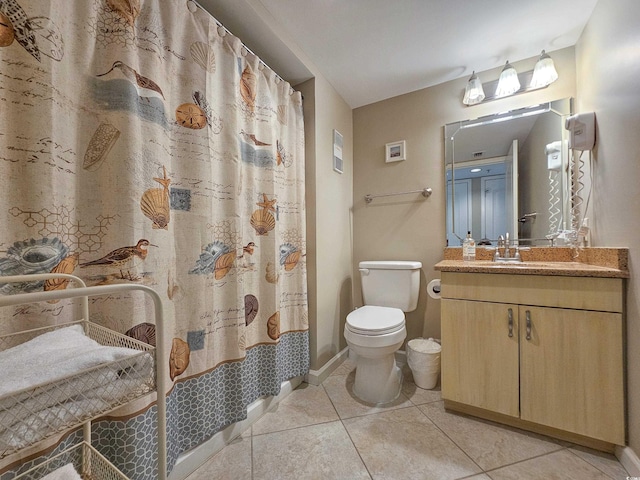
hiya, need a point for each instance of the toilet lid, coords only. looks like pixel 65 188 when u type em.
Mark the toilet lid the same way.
pixel 372 320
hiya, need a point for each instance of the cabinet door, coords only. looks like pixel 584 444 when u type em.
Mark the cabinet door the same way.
pixel 571 374
pixel 479 358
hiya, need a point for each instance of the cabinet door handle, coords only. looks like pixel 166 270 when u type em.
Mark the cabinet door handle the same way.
pixel 510 322
pixel 528 321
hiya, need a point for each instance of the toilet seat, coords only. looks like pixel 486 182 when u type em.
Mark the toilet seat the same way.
pixel 372 320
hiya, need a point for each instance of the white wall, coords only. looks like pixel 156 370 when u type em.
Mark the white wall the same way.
pixel 608 78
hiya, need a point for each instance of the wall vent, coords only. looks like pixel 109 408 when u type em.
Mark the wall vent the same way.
pixel 477 154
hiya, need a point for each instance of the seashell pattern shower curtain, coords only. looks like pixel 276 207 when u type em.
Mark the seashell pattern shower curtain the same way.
pixel 141 143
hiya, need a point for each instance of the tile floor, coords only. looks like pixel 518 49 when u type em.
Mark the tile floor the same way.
pixel 324 432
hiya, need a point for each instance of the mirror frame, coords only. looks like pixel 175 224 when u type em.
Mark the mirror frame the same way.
pixel 562 107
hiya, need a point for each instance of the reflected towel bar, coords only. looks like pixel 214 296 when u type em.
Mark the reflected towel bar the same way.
pixel 426 192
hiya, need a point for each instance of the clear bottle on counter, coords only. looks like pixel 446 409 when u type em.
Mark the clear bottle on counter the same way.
pixel 469 248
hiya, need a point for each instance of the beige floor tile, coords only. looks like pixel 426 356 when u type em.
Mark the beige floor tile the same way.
pixel 404 444
pixel 340 391
pixel 322 452
pixel 420 396
pixel 397 441
pixel 605 462
pixel 306 405
pixel 232 462
pixel 562 465
pixel 489 445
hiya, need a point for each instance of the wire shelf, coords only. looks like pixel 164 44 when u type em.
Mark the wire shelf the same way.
pixel 32 414
pixel 86 461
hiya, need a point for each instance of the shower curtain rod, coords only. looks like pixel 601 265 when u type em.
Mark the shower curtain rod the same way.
pixel 243 44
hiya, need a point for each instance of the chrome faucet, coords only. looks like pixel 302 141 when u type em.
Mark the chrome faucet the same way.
pixel 504 242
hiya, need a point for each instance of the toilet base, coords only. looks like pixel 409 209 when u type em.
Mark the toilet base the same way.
pixel 378 380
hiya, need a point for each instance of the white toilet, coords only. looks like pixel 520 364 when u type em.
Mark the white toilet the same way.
pixel 374 332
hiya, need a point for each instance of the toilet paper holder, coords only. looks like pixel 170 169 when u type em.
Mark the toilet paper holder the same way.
pixel 433 288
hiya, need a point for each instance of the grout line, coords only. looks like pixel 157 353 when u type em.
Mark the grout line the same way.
pixel 454 442
pixel 540 436
pixel 330 401
pixel 594 466
pixel 356 449
pixel 251 451
pixel 341 420
pixel 473 475
pixel 297 428
pixel 355 446
pixel 307 425
pixel 526 460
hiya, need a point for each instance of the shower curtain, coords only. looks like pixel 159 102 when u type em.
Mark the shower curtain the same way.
pixel 141 142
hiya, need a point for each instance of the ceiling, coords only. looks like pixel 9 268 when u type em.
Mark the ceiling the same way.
pixel 370 50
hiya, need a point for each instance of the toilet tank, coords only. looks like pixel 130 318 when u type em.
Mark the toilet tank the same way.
pixel 391 284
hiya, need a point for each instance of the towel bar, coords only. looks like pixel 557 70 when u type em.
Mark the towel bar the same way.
pixel 426 192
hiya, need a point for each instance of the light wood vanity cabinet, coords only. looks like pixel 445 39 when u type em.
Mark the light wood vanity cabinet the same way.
pixel 539 352
pixel 480 365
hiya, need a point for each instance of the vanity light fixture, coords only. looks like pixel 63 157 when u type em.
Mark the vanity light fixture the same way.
pixel 508 83
pixel 473 93
pixel 475 170
pixel 511 82
pixel 544 73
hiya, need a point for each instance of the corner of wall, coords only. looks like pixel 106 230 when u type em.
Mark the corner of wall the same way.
pixel 308 91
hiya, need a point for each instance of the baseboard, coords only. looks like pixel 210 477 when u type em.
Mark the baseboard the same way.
pixel 629 460
pixel 316 377
pixel 190 461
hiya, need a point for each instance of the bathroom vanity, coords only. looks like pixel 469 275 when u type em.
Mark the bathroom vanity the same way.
pixel 538 344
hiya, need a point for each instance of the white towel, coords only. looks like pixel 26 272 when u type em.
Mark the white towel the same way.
pixel 63 473
pixel 52 356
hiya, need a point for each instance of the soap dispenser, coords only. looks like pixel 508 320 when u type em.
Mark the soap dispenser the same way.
pixel 468 248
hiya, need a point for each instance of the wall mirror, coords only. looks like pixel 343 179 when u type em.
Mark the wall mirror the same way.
pixel 508 172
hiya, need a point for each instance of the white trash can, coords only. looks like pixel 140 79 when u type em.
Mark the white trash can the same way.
pixel 423 357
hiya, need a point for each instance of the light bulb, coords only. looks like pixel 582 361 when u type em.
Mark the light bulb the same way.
pixel 544 73
pixel 508 84
pixel 473 93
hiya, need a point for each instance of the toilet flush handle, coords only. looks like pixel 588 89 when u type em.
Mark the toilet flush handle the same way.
pixel 364 271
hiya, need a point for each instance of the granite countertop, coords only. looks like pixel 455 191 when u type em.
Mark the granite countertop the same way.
pixel 584 262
